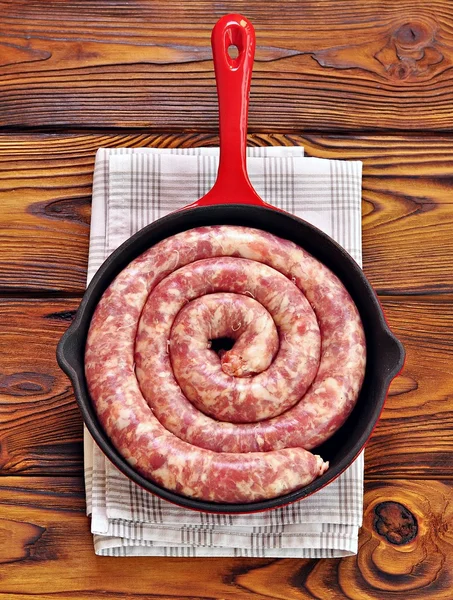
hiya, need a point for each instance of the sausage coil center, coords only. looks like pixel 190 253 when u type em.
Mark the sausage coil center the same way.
pixel 239 425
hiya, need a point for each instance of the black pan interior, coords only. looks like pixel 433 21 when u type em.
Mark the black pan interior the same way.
pixel 385 354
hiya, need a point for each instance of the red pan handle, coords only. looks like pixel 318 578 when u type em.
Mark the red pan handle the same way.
pixel 233 77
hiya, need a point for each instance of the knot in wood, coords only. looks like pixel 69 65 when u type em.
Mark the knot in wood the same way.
pixel 414 35
pixel 395 523
pixel 412 51
pixel 400 70
pixel 26 383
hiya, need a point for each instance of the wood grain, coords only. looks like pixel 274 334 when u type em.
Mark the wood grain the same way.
pixel 48 553
pixel 41 429
pixel 414 435
pixel 141 64
pixel 45 188
pixel 40 425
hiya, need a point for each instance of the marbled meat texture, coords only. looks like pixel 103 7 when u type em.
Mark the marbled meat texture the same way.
pixel 235 428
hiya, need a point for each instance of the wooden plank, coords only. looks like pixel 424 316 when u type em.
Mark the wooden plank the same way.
pixel 414 436
pixel 366 66
pixel 405 550
pixel 41 429
pixel 40 425
pixel 45 187
pixel 407 208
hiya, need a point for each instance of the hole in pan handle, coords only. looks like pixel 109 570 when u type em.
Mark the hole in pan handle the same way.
pixel 233 77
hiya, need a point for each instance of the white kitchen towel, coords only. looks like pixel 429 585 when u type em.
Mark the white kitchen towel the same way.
pixel 133 187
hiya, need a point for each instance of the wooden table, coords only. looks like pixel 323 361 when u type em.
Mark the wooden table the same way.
pixel 360 80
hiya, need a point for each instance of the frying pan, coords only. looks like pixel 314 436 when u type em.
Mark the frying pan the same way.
pixel 233 201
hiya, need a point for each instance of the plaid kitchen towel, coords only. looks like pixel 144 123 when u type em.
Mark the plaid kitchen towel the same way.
pixel 133 187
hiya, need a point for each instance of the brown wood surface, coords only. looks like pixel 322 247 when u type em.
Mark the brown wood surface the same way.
pixel 40 425
pixel 45 187
pixel 374 65
pixel 370 81
pixel 46 553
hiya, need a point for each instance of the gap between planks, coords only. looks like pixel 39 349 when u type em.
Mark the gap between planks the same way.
pixel 343 133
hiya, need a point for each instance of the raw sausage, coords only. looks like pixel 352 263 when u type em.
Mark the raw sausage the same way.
pixel 190 452
pixel 232 399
